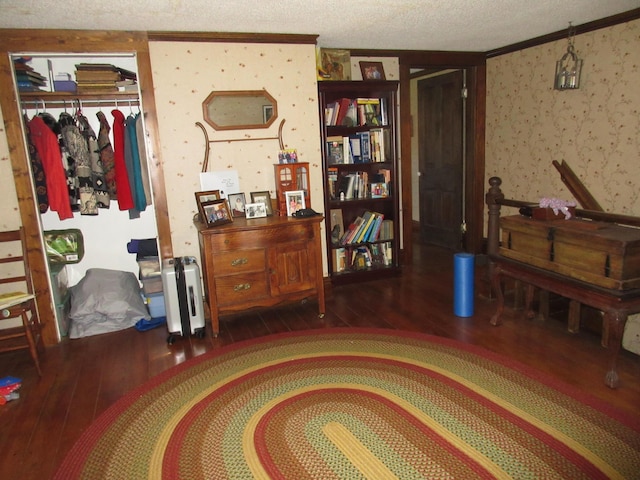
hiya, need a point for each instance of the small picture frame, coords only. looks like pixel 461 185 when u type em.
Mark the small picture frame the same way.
pixel 263 197
pixel 217 212
pixel 372 71
pixel 295 201
pixel 205 197
pixel 379 190
pixel 255 210
pixel 237 202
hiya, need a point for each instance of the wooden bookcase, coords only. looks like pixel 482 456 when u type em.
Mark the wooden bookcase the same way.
pixel 360 175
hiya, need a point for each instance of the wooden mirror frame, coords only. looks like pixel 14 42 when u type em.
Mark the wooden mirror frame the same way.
pixel 240 96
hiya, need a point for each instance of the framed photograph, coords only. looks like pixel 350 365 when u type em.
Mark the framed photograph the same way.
pixel 263 197
pixel 255 210
pixel 206 197
pixel 379 190
pixel 372 71
pixel 236 202
pixel 295 201
pixel 217 212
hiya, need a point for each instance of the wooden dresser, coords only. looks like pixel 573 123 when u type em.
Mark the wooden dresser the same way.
pixel 260 262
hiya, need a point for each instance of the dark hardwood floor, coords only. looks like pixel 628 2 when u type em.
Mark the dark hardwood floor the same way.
pixel 85 376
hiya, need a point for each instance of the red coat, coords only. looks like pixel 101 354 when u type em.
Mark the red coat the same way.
pixel 46 143
pixel 125 199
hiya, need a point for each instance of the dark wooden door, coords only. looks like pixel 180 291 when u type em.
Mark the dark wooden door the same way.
pixel 440 140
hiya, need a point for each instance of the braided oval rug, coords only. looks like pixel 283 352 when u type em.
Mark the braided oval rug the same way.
pixel 354 403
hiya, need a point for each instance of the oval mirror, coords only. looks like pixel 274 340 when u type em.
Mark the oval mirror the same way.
pixel 241 109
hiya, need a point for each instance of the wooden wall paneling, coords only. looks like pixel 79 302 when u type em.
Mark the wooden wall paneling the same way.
pixel 75 42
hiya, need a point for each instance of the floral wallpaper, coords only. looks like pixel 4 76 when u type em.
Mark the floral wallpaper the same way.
pixel 9 213
pixel 595 129
pixel 184 74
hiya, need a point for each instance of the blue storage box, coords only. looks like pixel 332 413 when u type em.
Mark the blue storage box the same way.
pixel 155 304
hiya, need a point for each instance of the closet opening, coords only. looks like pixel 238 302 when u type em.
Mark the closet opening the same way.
pixel 106 197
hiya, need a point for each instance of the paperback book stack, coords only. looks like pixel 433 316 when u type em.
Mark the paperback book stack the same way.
pixel 104 78
pixel 27 78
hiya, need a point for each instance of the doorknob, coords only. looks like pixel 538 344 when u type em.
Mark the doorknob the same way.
pixel 419 174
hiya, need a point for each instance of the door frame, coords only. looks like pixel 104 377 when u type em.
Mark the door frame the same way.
pixel 73 42
pixel 436 79
pixel 475 116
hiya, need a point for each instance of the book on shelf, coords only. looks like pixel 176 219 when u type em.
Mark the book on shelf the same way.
pixel 364 141
pixel 336 150
pixel 386 230
pixel 351 231
pixel 339 259
pixel 369 217
pixel 352 112
pixel 106 67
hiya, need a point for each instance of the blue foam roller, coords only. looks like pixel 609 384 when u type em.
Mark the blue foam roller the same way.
pixel 463 280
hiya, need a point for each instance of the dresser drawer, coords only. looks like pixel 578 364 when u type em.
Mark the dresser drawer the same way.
pixel 241 289
pixel 240 261
pixel 231 241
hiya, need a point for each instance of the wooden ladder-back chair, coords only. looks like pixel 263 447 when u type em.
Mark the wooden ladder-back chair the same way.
pixel 17 298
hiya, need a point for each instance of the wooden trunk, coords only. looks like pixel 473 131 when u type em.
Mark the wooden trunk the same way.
pixel 599 253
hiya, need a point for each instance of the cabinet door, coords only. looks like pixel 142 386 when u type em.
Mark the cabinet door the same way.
pixel 292 267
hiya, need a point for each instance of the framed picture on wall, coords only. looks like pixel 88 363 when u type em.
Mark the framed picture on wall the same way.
pixel 295 201
pixel 263 197
pixel 372 71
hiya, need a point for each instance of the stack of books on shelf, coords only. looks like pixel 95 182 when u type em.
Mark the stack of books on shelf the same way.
pixel 104 78
pixel 366 228
pixel 362 257
pixel 358 185
pixel 27 78
pixel 360 147
pixel 353 112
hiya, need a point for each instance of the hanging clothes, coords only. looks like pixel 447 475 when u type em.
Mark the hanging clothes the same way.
pixel 97 174
pixel 39 177
pixel 142 153
pixel 46 143
pixel 125 199
pixel 78 149
pixel 132 157
pixel 106 155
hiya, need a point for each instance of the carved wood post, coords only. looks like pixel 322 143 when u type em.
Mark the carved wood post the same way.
pixel 493 197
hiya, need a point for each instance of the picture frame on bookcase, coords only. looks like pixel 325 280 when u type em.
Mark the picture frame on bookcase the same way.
pixel 263 197
pixel 335 64
pixel 372 71
pixel 295 201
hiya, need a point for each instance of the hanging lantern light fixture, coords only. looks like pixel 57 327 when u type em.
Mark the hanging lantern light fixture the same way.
pixel 569 66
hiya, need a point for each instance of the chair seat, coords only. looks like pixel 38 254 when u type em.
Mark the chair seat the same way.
pixel 8 300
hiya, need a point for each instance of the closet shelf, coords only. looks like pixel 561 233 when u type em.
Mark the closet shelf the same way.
pixel 87 99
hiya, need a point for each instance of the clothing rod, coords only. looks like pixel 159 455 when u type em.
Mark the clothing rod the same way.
pixel 42 103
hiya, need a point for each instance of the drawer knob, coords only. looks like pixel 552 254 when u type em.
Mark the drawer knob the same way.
pixel 239 261
pixel 241 286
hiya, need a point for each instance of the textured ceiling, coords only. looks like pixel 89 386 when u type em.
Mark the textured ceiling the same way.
pixel 458 25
